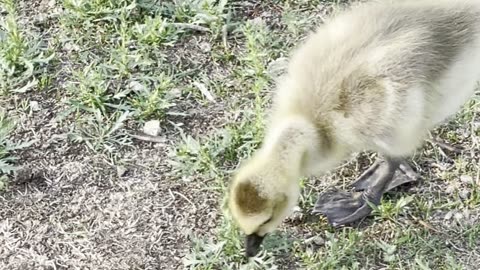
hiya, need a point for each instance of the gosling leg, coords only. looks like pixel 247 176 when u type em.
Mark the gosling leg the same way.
pixel 342 208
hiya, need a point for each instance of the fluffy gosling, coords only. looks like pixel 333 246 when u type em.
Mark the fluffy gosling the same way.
pixel 376 77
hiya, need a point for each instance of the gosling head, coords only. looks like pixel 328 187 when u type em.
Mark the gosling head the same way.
pixel 260 199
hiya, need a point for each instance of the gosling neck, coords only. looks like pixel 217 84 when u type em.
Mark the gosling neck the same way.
pixel 290 143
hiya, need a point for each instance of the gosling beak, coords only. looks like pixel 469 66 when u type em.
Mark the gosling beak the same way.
pixel 252 244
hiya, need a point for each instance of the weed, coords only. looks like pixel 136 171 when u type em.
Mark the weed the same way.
pixel 392 209
pixel 22 54
pixel 100 133
pixel 339 252
pixel 6 126
pixel 213 156
pixel 7 160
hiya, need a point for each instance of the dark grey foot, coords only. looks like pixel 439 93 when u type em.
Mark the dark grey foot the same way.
pixel 342 207
pixel 404 174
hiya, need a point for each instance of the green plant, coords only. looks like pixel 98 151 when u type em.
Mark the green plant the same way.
pixel 22 54
pixel 6 126
pixel 7 160
pixel 101 133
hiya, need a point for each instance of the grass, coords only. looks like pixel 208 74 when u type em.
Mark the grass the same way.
pixel 23 55
pixel 7 159
pixel 82 77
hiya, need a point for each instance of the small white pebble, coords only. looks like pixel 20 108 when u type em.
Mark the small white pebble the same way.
pixel 277 67
pixel 464 194
pixel 69 47
pixel 34 106
pixel 476 125
pixel 152 128
pixel 467 179
pixel 450 189
pixel 186 179
pixel 205 47
pixel 319 241
pixel 256 21
pixel 175 93
pixel 136 86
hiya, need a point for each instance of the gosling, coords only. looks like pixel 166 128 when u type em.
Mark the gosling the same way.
pixel 376 77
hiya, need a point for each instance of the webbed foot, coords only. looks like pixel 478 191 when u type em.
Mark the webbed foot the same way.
pixel 342 207
pixel 404 174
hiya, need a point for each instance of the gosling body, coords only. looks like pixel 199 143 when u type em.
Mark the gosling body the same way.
pixel 376 77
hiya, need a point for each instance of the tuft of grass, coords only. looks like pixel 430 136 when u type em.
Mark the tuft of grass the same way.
pixel 23 56
pixel 215 155
pixel 340 252
pixel 226 252
pixel 6 126
pixel 7 160
pixel 218 153
pixel 211 15
pixel 100 133
pixel 392 210
pixel 128 73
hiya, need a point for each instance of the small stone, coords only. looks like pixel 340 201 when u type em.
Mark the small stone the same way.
pixel 458 216
pixel 476 125
pixel 277 67
pixel 257 21
pixel 186 179
pixel 450 189
pixel 205 47
pixel 464 194
pixel 466 133
pixel 266 14
pixel 175 93
pixel 448 216
pixel 71 47
pixel 40 19
pixel 136 86
pixel 315 240
pixel 296 214
pixel 152 128
pixel 34 106
pixel 467 179
pixel 318 240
